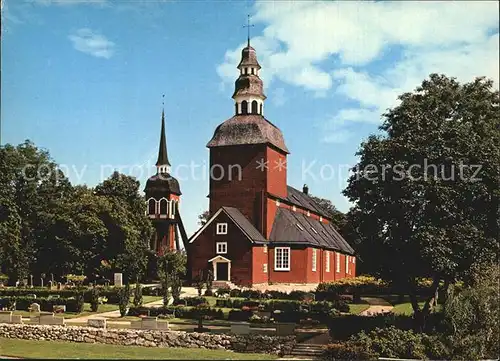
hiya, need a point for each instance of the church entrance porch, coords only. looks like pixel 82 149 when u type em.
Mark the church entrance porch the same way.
pixel 221 268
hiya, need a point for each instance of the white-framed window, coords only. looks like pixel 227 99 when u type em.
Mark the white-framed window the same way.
pixel 265 249
pixel 346 264
pixel 321 218
pixel 282 259
pixel 221 247
pixel 221 228
pixel 294 208
pixel 308 213
pixel 327 261
pixel 337 261
pixel 314 260
pixel 278 203
pixel 264 268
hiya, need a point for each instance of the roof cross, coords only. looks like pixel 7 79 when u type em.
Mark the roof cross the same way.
pixel 248 26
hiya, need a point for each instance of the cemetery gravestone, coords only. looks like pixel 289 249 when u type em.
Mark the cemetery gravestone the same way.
pixel 35 307
pixel 118 279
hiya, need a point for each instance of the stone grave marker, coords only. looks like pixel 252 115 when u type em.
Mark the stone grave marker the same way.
pixel 96 322
pixel 118 279
pixel 35 307
pixel 59 308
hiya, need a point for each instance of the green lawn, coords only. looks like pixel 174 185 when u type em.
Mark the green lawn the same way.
pixel 59 350
pixel 357 308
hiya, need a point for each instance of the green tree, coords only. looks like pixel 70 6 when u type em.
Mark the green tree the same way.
pixel 426 191
pixel 473 317
pixel 32 189
pixel 203 218
pixel 129 229
pixel 338 218
pixel 171 269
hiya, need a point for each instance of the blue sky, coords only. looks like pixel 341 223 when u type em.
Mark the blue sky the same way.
pixel 84 79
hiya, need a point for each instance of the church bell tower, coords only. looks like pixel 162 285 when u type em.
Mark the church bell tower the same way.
pixel 163 196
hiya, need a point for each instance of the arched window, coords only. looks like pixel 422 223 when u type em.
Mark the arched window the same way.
pixel 254 107
pixel 252 71
pixel 244 107
pixel 246 71
pixel 174 206
pixel 236 108
pixel 260 109
pixel 163 207
pixel 151 206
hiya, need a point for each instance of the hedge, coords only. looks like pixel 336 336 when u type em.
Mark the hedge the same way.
pixel 364 285
pixel 175 311
pixel 283 305
pixel 46 304
pixel 193 301
pixel 111 293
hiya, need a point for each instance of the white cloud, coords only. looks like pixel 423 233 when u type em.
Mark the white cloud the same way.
pixel 92 43
pixel 325 46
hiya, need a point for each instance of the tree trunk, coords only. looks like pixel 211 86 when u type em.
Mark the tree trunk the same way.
pixel 421 316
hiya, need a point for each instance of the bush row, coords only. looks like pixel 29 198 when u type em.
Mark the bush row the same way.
pixel 284 305
pixel 111 293
pixel 73 304
pixel 176 311
pixel 259 295
pixel 365 285
pixel 391 343
pixel 345 326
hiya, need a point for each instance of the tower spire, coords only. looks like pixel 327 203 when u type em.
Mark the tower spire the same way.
pixel 248 26
pixel 162 164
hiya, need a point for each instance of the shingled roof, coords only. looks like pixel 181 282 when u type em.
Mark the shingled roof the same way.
pixel 296 228
pixel 303 200
pixel 244 224
pixel 248 129
pixel 240 220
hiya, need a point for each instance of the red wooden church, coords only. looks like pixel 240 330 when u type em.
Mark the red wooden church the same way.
pixel 262 230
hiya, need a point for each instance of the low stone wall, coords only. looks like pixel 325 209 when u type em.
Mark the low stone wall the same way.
pixel 151 338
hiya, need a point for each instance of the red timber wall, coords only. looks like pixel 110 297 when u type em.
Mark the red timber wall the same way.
pixel 239 251
pixel 237 189
pixel 259 259
pixel 299 263
pixel 247 193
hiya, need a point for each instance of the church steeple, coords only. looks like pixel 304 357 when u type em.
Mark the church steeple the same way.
pixel 249 90
pixel 163 164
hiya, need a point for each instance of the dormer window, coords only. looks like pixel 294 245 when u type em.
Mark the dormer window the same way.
pixel 221 228
pixel 294 208
pixel 320 218
pixel 277 203
pixel 308 213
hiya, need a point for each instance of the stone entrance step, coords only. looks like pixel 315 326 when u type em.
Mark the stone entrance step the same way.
pixel 307 350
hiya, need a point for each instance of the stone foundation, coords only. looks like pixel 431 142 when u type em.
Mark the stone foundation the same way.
pixel 151 338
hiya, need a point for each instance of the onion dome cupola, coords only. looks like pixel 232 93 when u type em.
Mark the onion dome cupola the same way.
pixel 248 125
pixel 162 183
pixel 249 90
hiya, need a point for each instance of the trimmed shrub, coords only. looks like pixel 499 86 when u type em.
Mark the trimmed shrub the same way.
pixel 251 294
pixel 239 315
pixel 137 301
pixel 346 351
pixel 123 299
pixel 94 299
pixel 235 292
pixel 223 291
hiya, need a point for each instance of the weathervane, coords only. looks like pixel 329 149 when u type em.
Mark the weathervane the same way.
pixel 248 26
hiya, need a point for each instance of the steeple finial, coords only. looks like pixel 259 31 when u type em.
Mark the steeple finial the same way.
pixel 162 163
pixel 248 26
